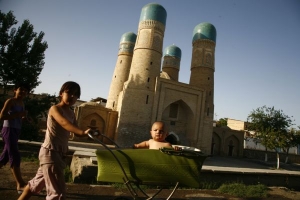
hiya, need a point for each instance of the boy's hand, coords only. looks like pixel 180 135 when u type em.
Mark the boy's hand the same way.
pixel 86 132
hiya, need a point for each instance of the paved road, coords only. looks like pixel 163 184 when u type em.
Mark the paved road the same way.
pixel 248 165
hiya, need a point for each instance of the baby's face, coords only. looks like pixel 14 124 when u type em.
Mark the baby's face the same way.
pixel 158 132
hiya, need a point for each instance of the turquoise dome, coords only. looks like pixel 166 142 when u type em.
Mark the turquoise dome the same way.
pixel 153 11
pixel 128 37
pixel 205 31
pixel 173 51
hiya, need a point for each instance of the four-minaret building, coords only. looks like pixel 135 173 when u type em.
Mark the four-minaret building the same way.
pixel 145 85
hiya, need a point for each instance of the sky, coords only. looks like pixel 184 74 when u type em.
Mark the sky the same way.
pixel 257 55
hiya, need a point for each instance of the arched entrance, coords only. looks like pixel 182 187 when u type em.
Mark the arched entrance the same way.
pixel 232 144
pixel 216 144
pixel 179 118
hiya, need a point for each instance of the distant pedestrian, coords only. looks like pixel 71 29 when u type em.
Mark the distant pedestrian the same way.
pixel 61 123
pixel 13 112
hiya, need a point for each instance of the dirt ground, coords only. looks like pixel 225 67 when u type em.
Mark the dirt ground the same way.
pixel 93 192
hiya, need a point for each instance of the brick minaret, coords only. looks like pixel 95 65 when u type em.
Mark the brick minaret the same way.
pixel 137 97
pixel 122 69
pixel 202 75
pixel 171 62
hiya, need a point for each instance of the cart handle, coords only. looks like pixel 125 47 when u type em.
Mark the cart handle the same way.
pixel 92 133
pixel 106 147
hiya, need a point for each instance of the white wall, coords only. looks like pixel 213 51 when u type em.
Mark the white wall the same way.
pixel 252 143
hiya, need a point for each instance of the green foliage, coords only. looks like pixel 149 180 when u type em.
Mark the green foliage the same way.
pixel 271 126
pixel 292 139
pixel 68 175
pixel 30 131
pixel 38 106
pixel 37 109
pixel 222 122
pixel 30 158
pixel 22 52
pixel 241 190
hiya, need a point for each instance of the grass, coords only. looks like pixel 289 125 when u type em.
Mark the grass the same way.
pixel 68 175
pixel 30 158
pixel 244 191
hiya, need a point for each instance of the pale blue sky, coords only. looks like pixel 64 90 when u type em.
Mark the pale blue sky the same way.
pixel 257 58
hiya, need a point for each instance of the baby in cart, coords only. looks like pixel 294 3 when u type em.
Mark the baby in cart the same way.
pixel 158 133
pixel 151 162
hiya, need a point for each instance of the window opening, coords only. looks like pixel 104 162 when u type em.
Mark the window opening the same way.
pixel 93 123
pixel 173 110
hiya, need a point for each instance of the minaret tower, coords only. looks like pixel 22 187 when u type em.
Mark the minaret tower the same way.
pixel 122 68
pixel 202 75
pixel 171 62
pixel 137 100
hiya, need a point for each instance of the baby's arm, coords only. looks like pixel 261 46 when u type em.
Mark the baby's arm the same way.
pixel 59 118
pixel 141 145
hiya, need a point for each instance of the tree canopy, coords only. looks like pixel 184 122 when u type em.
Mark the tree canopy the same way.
pixel 222 122
pixel 22 52
pixel 37 107
pixel 271 127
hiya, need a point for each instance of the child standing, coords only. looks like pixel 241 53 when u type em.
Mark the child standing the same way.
pixel 158 133
pixel 60 123
pixel 12 113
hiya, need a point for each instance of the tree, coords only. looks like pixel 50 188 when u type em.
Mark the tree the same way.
pixel 22 52
pixel 222 122
pixel 99 99
pixel 271 127
pixel 37 106
pixel 292 140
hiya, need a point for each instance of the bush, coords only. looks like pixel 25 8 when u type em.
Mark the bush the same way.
pixel 241 190
pixel 68 175
pixel 30 131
